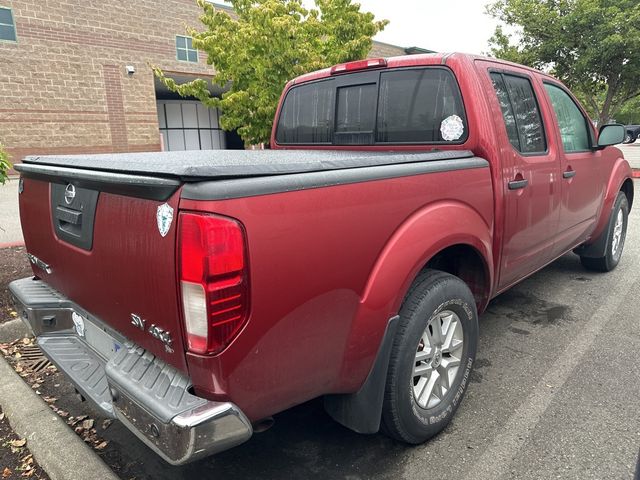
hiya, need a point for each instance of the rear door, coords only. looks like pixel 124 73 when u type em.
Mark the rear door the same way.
pixel 582 179
pixel 530 169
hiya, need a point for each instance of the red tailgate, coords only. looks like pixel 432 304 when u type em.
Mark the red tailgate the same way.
pixel 129 267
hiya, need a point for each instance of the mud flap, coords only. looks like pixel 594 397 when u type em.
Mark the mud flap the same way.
pixel 598 248
pixel 362 411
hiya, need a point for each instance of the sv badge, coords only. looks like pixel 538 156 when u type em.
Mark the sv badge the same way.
pixel 155 331
pixel 137 321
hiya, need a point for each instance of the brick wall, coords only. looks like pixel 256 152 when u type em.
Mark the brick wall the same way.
pixel 63 85
pixel 384 50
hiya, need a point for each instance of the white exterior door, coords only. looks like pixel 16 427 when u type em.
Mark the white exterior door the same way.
pixel 189 125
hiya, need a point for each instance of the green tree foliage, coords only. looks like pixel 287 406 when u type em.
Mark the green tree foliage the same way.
pixel 630 113
pixel 591 45
pixel 269 43
pixel 4 164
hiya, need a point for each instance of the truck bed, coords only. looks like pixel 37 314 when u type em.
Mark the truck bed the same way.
pixel 193 166
pixel 331 213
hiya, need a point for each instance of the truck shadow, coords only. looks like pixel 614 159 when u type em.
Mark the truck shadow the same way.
pixel 303 443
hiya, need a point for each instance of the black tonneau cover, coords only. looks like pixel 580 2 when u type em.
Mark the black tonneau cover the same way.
pixel 198 165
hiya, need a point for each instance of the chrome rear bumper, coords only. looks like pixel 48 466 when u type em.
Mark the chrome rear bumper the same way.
pixel 126 382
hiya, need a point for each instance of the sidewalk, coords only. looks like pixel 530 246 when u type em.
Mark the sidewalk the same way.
pixel 10 232
pixel 632 154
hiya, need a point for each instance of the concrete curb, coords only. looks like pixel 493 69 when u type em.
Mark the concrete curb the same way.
pixel 18 243
pixel 58 450
pixel 13 329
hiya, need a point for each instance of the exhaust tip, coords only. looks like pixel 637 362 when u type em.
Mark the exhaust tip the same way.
pixel 263 425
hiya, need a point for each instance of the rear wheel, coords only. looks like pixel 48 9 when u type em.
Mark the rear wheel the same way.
pixel 616 236
pixel 432 357
pixel 628 138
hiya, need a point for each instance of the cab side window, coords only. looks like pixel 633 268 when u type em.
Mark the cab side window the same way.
pixel 520 112
pixel 573 125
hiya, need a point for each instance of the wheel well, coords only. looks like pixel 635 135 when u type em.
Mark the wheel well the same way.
pixel 627 188
pixel 466 263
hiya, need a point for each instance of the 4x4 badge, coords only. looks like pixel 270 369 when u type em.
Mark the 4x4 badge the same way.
pixel 164 217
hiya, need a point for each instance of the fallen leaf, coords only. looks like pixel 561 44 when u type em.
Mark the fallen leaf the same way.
pixel 106 424
pixel 13 314
pixel 49 399
pixel 6 472
pixel 81 417
pixel 102 446
pixel 18 443
pixel 87 424
pixel 1 416
pixel 62 413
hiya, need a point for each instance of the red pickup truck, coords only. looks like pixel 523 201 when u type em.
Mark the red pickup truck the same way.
pixel 192 295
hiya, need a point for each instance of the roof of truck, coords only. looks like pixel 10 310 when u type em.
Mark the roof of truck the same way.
pixel 435 58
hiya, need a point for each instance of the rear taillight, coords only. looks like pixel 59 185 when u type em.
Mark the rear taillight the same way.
pixel 213 280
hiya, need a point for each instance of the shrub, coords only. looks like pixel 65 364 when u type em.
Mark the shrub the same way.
pixel 4 165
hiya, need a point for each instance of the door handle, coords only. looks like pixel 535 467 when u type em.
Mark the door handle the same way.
pixel 518 184
pixel 569 174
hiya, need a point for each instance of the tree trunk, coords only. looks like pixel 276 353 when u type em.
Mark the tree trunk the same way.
pixel 612 89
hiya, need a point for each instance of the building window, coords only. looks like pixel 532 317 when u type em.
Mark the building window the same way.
pixel 189 125
pixel 7 27
pixel 185 50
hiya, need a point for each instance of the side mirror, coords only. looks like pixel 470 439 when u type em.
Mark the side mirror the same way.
pixel 612 134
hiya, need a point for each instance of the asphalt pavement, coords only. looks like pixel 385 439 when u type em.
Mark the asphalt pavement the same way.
pixel 632 153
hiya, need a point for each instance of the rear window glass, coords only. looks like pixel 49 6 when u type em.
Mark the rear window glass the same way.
pixel 307 114
pixel 403 106
pixel 356 114
pixel 413 104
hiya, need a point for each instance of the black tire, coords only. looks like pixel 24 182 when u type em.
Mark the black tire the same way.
pixel 611 258
pixel 628 138
pixel 432 295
